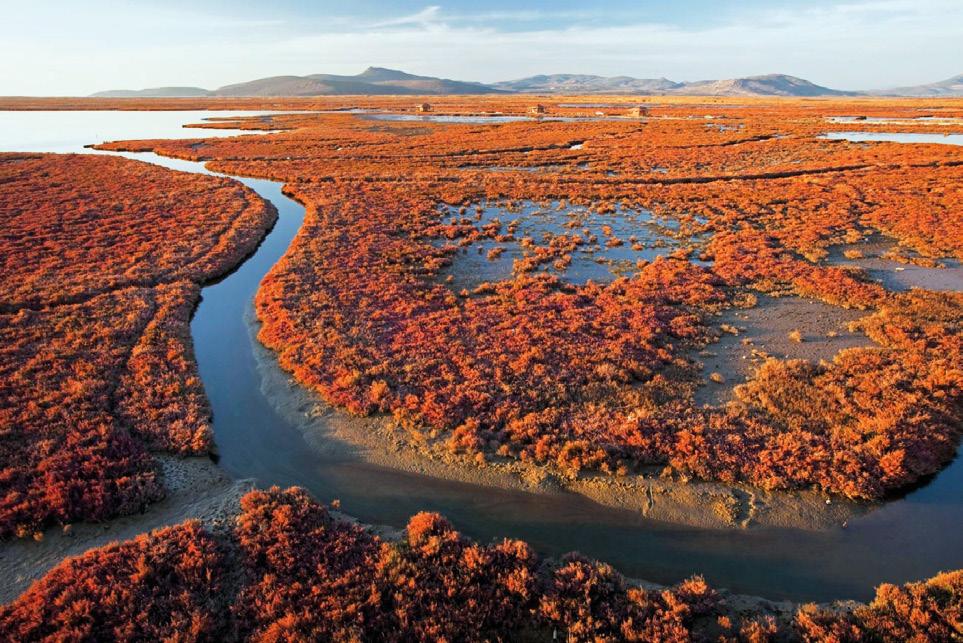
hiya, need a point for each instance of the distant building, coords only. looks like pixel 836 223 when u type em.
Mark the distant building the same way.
pixel 638 111
pixel 536 109
pixel 424 107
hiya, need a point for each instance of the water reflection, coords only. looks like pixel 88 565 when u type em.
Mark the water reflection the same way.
pixel 602 246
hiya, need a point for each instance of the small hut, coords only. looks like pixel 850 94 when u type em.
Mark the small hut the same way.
pixel 638 111
pixel 536 109
pixel 424 107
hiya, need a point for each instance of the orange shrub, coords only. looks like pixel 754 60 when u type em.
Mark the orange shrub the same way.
pixel 598 376
pixel 100 266
pixel 290 571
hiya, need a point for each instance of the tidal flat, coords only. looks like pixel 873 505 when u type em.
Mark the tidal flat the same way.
pixel 660 364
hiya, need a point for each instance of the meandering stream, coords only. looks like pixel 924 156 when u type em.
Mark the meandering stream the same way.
pixel 907 539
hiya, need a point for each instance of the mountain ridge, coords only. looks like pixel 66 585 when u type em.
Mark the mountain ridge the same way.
pixel 376 81
pixel 372 81
pixel 952 86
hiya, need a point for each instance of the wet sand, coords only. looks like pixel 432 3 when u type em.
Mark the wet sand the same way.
pixel 334 436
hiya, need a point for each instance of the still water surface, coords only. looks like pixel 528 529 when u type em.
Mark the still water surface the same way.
pixel 897 137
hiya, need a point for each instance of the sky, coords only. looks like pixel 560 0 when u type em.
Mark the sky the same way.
pixel 76 47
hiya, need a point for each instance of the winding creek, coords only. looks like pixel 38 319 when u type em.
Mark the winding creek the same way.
pixel 909 538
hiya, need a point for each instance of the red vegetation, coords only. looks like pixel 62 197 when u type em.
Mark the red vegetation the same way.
pixel 597 376
pixel 305 575
pixel 165 585
pixel 100 264
pixel 591 602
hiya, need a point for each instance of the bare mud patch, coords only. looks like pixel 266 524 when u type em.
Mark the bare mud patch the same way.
pixel 779 327
pixel 877 257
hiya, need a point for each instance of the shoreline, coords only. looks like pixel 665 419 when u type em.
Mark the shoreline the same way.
pixel 200 490
pixel 334 435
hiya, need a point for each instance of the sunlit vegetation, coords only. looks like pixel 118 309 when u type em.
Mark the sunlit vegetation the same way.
pixel 290 571
pixel 599 376
pixel 100 265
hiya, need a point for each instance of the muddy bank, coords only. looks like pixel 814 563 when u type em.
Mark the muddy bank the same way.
pixel 200 492
pixel 196 489
pixel 334 436
pixel 768 329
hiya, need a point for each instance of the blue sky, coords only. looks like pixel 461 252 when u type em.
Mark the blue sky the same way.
pixel 63 47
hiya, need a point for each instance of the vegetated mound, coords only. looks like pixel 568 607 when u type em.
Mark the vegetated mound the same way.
pixel 597 375
pixel 101 261
pixel 288 570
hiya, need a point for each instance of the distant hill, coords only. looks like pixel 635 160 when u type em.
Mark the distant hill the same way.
pixel 372 81
pixel 587 84
pixel 768 85
pixel 154 92
pixel 376 81
pixel 949 87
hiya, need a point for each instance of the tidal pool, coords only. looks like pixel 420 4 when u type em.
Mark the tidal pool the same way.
pixel 896 137
pixel 608 244
pixel 909 538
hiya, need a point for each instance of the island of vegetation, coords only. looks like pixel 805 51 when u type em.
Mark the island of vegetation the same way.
pixel 101 265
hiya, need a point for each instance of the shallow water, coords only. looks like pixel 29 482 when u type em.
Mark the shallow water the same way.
pixel 907 120
pixel 896 137
pixel 65 132
pixel 593 105
pixel 908 539
pixel 634 235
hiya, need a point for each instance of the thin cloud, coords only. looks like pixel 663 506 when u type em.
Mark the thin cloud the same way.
pixel 855 45
pixel 427 16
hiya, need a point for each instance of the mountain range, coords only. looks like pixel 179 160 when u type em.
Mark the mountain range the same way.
pixel 381 81
pixel 949 87
pixel 372 81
